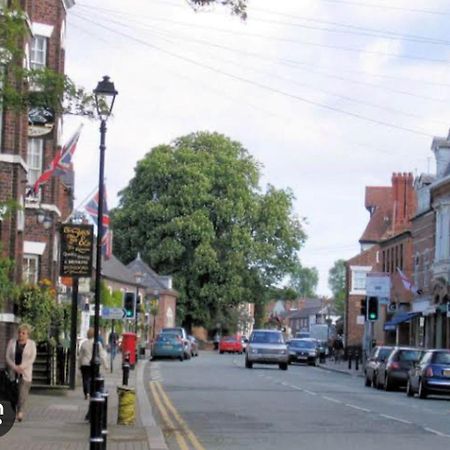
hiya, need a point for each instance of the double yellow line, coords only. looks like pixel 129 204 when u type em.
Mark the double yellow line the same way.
pixel 184 436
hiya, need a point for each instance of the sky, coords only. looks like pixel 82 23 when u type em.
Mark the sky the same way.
pixel 329 96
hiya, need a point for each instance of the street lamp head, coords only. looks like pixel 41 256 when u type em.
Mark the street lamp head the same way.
pixel 138 276
pixel 105 94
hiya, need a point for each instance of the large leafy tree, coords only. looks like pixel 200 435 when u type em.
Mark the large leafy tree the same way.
pixel 238 7
pixel 195 211
pixel 336 283
pixel 304 280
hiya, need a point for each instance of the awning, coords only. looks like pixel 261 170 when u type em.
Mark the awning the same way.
pixel 399 318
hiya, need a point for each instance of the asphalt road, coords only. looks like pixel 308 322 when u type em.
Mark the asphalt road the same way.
pixel 213 402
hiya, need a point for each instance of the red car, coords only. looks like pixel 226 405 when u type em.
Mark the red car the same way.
pixel 230 344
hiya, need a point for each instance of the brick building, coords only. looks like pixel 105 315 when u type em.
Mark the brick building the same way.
pixel 386 245
pixel 28 143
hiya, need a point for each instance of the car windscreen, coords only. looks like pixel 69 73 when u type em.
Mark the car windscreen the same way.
pixel 409 355
pixel 302 344
pixel 266 338
pixel 172 331
pixel 384 353
pixel 167 337
pixel 441 358
pixel 229 339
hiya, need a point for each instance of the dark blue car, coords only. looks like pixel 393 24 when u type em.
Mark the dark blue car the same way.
pixel 431 375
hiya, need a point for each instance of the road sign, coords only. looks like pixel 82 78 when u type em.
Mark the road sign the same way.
pixel 113 313
pixel 378 284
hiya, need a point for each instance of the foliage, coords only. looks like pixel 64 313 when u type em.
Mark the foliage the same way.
pixel 238 7
pixel 304 280
pixel 36 305
pixel 336 283
pixel 8 289
pixel 194 210
pixel 22 88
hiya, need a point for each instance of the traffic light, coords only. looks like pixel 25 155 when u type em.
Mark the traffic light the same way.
pixel 363 310
pixel 372 308
pixel 129 304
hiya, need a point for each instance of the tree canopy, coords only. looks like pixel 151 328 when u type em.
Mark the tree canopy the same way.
pixel 194 210
pixel 304 280
pixel 238 7
pixel 336 283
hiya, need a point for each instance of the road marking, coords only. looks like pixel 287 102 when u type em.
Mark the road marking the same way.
pixel 195 442
pixel 357 407
pixel 330 399
pixel 310 392
pixel 397 419
pixel 164 414
pixel 296 387
pixel 439 433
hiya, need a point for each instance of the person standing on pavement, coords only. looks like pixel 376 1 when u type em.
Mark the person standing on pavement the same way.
pixel 20 357
pixel 85 357
pixel 113 341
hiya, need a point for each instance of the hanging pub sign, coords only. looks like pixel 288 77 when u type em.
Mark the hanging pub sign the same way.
pixel 76 250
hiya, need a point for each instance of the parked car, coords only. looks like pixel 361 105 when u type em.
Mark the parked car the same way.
pixel 180 331
pixel 267 347
pixel 230 344
pixel 393 372
pixel 168 345
pixel 378 355
pixel 302 335
pixel 194 345
pixel 431 375
pixel 304 350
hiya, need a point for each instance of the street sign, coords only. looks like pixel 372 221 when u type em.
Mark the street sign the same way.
pixel 378 284
pixel 113 313
pixel 76 244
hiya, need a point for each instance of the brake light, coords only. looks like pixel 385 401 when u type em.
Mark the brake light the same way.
pixel 394 365
pixel 429 372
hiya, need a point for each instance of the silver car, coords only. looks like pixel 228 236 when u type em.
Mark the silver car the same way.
pixel 266 347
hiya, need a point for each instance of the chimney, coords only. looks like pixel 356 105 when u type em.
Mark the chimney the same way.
pixel 441 149
pixel 404 198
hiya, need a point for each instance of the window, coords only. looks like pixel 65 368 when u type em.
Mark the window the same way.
pixel 34 159
pixel 30 269
pixel 359 274
pixel 38 59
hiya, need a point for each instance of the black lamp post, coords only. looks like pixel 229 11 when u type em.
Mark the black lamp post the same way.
pixel 138 277
pixel 105 94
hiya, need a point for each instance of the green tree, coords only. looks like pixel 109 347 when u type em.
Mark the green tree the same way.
pixel 195 211
pixel 304 280
pixel 238 7
pixel 336 283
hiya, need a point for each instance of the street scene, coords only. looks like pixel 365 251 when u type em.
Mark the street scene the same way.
pixel 224 224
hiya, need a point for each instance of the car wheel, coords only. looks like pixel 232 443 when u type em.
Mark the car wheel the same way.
pixel 367 382
pixel 388 385
pixel 283 366
pixel 248 364
pixel 221 352
pixel 422 390
pixel 181 358
pixel 409 391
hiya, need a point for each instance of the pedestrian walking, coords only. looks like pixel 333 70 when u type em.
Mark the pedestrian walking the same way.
pixel 85 357
pixel 20 357
pixel 113 341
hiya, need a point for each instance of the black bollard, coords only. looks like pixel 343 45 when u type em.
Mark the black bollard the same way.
pixel 96 410
pixel 105 396
pixel 125 370
pixel 349 361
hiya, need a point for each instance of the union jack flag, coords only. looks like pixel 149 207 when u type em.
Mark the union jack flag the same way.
pixel 61 162
pixel 92 209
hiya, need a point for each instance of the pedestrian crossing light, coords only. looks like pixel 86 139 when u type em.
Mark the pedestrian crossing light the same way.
pixel 129 304
pixel 372 308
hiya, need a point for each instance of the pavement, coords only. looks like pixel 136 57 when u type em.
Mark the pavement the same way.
pixel 55 419
pixel 342 367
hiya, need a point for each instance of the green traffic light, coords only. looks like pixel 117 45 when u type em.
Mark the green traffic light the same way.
pixel 372 316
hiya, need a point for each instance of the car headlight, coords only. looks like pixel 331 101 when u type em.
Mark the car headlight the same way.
pixel 283 352
pixel 312 353
pixel 254 350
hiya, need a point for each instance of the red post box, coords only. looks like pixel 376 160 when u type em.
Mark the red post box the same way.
pixel 129 347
